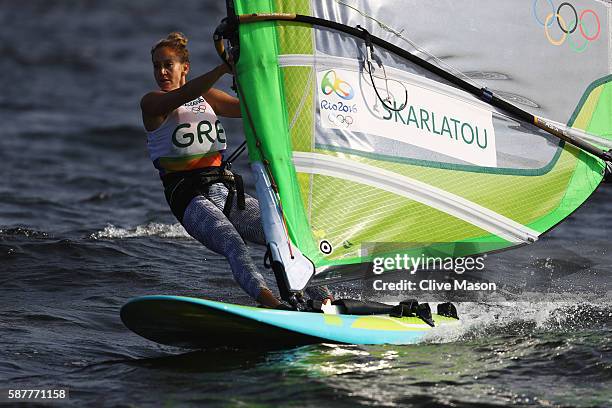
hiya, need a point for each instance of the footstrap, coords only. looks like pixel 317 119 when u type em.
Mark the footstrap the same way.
pixel 410 308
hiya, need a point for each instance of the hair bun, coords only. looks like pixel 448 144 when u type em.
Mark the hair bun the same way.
pixel 177 42
pixel 178 37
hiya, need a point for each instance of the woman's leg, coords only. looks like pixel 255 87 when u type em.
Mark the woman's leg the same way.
pixel 248 224
pixel 207 223
pixel 248 221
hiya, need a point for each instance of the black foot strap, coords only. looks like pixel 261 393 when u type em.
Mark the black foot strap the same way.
pixel 410 308
pixel 448 309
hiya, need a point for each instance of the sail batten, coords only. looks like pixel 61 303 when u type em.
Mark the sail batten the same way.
pixel 314 163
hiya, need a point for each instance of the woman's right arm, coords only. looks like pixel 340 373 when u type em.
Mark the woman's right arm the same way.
pixel 159 103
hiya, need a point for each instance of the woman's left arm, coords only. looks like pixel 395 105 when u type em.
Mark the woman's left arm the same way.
pixel 222 103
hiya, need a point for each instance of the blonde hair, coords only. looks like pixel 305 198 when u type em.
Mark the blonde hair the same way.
pixel 175 41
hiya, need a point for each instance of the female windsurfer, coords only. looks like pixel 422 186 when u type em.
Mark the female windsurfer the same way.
pixel 185 140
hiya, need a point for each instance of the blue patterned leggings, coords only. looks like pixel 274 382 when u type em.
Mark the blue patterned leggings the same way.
pixel 204 220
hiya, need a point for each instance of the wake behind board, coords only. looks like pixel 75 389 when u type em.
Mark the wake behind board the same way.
pixel 198 323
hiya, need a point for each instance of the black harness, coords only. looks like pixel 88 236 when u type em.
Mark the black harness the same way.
pixel 181 187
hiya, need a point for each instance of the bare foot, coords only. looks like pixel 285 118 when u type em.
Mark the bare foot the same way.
pixel 267 299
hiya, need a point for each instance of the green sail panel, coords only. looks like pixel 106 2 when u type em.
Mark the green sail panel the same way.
pixel 431 165
pixel 594 111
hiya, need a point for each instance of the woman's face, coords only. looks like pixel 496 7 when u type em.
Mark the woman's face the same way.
pixel 170 73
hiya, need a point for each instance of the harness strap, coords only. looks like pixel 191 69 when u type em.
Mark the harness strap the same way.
pixel 181 188
pixel 229 200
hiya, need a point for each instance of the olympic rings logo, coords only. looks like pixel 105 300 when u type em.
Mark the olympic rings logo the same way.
pixel 341 119
pixel 589 32
pixel 198 109
pixel 331 82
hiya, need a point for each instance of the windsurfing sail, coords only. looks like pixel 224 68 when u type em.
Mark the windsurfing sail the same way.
pixel 362 141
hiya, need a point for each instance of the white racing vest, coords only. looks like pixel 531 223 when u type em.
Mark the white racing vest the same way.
pixel 190 138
